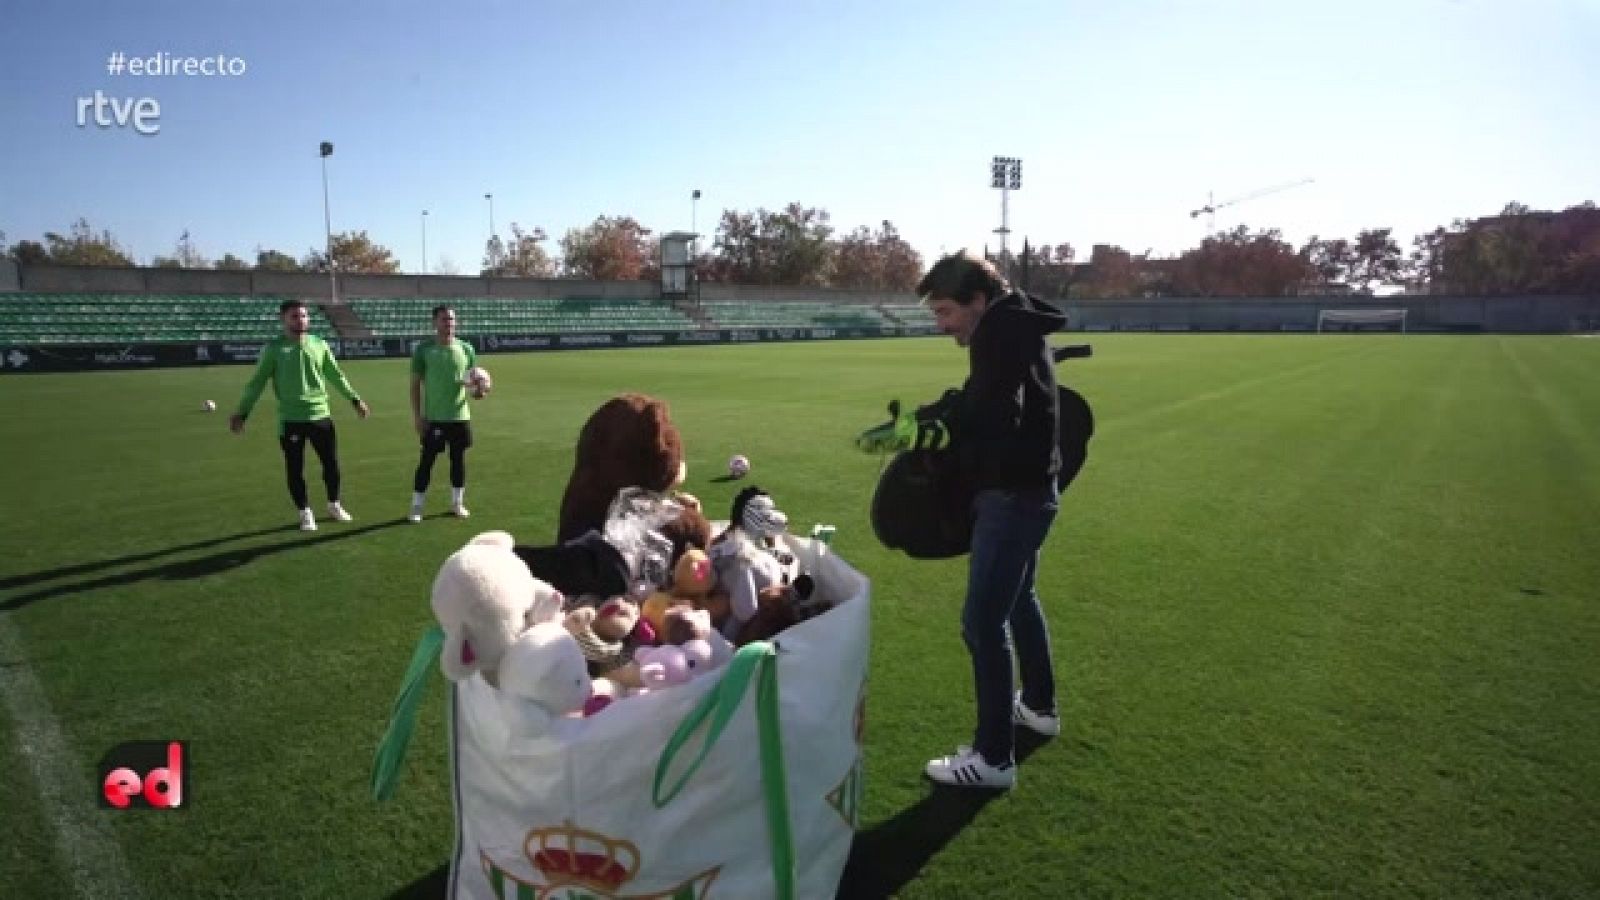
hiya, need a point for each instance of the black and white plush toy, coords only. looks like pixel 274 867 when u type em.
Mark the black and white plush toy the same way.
pixel 754 554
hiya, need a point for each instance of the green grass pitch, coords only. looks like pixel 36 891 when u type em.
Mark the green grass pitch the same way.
pixel 1326 615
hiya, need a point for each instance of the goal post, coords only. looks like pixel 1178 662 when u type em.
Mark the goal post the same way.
pixel 1360 319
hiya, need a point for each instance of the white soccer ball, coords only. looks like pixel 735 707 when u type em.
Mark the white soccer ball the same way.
pixel 478 381
pixel 738 466
pixel 210 406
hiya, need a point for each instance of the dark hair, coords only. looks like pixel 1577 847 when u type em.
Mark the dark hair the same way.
pixel 962 277
pixel 287 305
pixel 443 307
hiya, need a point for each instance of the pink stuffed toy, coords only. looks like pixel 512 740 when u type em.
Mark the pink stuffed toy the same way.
pixel 662 666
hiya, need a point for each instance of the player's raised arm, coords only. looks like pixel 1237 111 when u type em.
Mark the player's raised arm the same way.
pixel 335 376
pixel 266 366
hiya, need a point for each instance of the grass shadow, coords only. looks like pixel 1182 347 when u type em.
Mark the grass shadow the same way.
pixel 18 581
pixel 431 886
pixel 195 568
pixel 886 857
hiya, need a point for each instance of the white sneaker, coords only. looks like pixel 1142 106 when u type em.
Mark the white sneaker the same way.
pixel 968 769
pixel 459 511
pixel 416 513
pixel 337 513
pixel 1036 722
pixel 308 522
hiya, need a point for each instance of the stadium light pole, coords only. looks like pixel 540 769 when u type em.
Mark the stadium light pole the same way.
pixel 694 217
pixel 327 224
pixel 493 250
pixel 424 242
pixel 1006 175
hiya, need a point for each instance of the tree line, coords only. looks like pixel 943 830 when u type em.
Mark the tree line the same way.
pixel 795 245
pixel 1520 250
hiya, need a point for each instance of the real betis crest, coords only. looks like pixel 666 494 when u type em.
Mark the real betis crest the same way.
pixel 846 798
pixel 571 863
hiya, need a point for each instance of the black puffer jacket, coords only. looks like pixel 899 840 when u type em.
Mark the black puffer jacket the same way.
pixel 1007 425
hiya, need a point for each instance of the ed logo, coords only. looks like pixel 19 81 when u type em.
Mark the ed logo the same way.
pixel 143 774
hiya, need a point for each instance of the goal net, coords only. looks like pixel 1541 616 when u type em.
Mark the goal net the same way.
pixel 1361 320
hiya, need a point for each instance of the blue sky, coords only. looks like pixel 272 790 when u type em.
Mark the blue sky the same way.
pixel 1408 114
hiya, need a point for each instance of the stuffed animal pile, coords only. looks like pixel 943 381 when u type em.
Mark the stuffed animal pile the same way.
pixel 550 655
pixel 637 597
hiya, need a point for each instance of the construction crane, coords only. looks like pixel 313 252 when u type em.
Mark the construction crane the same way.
pixel 1211 207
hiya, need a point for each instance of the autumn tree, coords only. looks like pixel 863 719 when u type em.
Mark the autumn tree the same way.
pixel 29 253
pixel 790 246
pixel 1425 264
pixel 1374 259
pixel 1047 270
pixel 1111 274
pixel 520 257
pixel 353 253
pixel 1572 244
pixel 1327 261
pixel 855 260
pixel 880 261
pixel 610 249
pixel 1240 263
pixel 1524 251
pixel 81 246
pixel 275 261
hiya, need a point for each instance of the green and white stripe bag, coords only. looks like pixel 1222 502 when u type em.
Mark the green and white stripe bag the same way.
pixel 744 783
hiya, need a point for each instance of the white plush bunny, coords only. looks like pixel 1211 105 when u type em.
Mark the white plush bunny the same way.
pixel 484 598
pixel 543 675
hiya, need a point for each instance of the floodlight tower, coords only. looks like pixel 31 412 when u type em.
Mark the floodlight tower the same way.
pixel 325 150
pixel 1005 175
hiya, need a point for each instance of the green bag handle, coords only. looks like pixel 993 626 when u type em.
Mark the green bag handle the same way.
pixel 396 740
pixel 755 660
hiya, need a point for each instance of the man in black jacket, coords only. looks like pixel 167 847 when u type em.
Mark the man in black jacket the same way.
pixel 1005 434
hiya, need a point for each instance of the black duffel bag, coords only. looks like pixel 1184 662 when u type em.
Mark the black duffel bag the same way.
pixel 923 505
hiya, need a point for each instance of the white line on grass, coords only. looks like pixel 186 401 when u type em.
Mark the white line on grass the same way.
pixel 83 836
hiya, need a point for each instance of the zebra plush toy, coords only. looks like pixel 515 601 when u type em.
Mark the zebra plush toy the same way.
pixel 753 555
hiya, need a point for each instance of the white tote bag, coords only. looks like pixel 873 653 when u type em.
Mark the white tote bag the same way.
pixel 744 783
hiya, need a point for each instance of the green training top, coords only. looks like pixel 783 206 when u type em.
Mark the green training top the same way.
pixel 443 368
pixel 300 372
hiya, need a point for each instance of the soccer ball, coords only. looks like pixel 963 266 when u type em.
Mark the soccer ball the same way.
pixel 478 381
pixel 210 406
pixel 738 467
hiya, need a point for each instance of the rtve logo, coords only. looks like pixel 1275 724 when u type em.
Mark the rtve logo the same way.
pixel 143 775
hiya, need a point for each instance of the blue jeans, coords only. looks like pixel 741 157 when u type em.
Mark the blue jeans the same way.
pixel 1011 526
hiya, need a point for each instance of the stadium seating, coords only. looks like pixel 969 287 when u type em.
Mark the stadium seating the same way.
pixel 410 317
pixel 909 313
pixel 766 314
pixel 142 318
pixel 35 318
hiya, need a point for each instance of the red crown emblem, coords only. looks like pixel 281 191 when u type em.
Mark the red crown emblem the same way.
pixel 572 855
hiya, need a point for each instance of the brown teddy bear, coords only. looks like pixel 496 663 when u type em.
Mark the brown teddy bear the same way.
pixel 629 441
pixel 778 607
pixel 690 531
